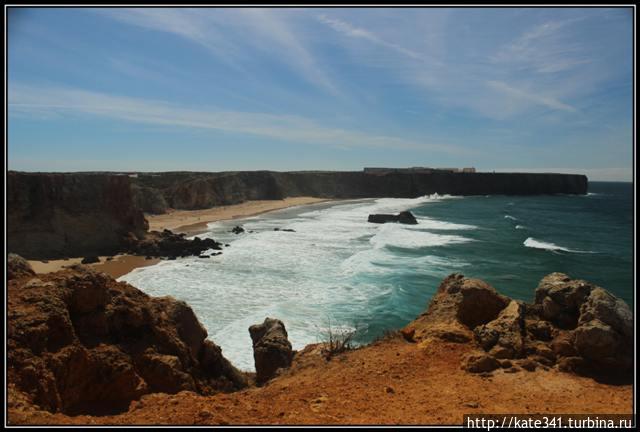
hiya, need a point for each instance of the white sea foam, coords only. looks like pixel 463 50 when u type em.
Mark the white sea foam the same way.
pixel 398 236
pixel 332 264
pixel 537 244
pixel 520 227
pixel 510 217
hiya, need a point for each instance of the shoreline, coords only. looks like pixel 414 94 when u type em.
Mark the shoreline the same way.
pixel 190 222
pixel 194 222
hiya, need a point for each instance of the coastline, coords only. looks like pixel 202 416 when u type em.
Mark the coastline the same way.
pixel 190 222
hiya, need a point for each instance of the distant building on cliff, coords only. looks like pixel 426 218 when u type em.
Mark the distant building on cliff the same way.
pixel 415 170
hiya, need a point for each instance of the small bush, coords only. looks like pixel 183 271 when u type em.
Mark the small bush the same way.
pixel 337 341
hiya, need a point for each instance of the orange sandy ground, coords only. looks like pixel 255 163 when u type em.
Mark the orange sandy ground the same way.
pixel 389 382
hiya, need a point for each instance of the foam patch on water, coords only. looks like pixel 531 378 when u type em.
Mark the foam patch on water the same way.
pixel 510 217
pixel 537 244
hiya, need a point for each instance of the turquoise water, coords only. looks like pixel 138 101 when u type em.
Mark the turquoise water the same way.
pixel 336 270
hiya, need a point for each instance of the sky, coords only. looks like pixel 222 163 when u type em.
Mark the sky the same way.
pixel 218 89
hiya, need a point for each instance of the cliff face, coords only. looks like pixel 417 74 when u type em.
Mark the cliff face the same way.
pixel 203 190
pixel 80 342
pixel 59 215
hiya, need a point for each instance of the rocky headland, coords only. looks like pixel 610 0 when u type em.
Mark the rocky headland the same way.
pixel 85 349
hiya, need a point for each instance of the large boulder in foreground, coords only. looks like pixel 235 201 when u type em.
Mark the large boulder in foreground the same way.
pixel 405 217
pixel 271 348
pixel 459 306
pixel 573 325
pixel 80 342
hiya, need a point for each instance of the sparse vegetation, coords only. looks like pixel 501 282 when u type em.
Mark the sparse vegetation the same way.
pixel 337 340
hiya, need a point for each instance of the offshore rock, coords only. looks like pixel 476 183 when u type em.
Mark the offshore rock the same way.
pixel 404 217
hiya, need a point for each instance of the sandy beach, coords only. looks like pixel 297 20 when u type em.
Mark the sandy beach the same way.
pixel 184 221
pixel 195 221
pixel 119 265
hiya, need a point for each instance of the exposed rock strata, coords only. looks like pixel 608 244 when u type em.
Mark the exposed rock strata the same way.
pixel 80 342
pixel 572 325
pixel 271 348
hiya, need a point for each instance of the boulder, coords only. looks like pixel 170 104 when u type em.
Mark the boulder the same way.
pixel 18 266
pixel 459 305
pixel 479 362
pixel 503 336
pixel 561 298
pixel 90 259
pixel 237 229
pixel 271 348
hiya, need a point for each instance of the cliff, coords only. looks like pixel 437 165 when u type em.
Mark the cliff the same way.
pixel 81 344
pixel 191 191
pixel 62 215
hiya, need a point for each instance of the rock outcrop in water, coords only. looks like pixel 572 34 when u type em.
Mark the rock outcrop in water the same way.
pixel 168 244
pixel 271 348
pixel 574 325
pixel 80 342
pixel 405 217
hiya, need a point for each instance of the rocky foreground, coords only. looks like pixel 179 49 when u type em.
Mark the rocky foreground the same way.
pixel 85 349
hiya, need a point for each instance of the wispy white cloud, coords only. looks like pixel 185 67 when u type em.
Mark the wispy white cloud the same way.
pixel 544 48
pixel 535 97
pixel 36 101
pixel 359 33
pixel 261 29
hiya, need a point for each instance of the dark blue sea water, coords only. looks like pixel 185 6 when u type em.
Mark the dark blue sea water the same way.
pixel 337 270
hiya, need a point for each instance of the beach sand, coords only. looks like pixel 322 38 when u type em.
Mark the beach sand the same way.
pixel 195 221
pixel 181 221
pixel 118 266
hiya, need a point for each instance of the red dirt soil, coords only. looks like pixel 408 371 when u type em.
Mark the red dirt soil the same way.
pixel 389 382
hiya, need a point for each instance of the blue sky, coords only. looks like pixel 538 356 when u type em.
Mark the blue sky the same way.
pixel 294 89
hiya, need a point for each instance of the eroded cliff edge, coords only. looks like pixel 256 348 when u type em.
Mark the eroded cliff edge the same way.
pixel 81 345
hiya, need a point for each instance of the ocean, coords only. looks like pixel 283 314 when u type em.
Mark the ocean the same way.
pixel 338 272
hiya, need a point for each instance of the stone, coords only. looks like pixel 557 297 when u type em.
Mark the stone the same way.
pixel 237 229
pixel 480 362
pixel 503 335
pixel 90 259
pixel 18 267
pixel 271 348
